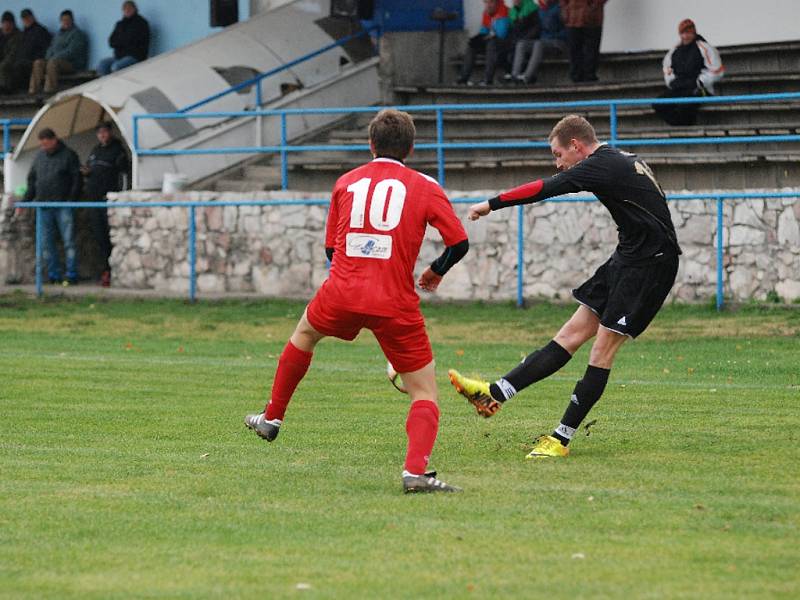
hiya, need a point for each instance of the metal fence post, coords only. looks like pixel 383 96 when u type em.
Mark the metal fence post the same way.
pixel 612 118
pixel 192 254
pixel 520 256
pixel 6 137
pixel 720 297
pixel 135 154
pixel 284 165
pixel 39 253
pixel 439 149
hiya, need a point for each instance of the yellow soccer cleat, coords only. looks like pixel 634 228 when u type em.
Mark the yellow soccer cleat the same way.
pixel 476 392
pixel 545 446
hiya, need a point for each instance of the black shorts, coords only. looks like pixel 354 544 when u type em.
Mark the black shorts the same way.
pixel 627 297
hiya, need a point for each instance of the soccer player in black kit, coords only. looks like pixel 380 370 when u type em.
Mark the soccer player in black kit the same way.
pixel 618 301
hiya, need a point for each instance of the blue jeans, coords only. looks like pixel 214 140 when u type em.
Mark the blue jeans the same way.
pixel 59 221
pixel 112 65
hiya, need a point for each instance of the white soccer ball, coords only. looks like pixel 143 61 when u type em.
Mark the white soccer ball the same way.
pixel 395 379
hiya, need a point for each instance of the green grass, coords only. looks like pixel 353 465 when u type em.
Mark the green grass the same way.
pixel 125 469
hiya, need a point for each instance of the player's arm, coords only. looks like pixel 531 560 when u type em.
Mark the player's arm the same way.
pixel 330 226
pixel 442 216
pixel 534 191
pixel 591 174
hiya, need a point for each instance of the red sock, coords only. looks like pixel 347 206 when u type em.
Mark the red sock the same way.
pixel 421 426
pixel 292 367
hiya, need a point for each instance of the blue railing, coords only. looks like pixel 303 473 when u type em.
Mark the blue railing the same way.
pixel 192 206
pixel 440 145
pixel 256 81
pixel 7 124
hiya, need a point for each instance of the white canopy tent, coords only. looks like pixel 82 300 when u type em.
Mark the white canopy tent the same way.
pixel 177 79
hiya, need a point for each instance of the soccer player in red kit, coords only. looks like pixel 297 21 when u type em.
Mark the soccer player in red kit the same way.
pixel 376 224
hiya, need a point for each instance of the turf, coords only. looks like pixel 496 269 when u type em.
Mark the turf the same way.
pixel 125 469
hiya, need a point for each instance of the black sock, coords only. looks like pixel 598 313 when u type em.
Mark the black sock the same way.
pixel 587 392
pixel 536 366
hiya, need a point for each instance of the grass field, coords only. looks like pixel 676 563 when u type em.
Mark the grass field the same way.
pixel 125 469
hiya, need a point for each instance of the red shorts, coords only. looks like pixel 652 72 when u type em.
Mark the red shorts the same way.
pixel 403 339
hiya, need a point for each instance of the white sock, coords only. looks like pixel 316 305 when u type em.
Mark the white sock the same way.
pixel 506 388
pixel 565 431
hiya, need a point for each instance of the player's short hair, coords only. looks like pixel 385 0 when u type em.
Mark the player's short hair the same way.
pixel 47 134
pixel 392 133
pixel 573 127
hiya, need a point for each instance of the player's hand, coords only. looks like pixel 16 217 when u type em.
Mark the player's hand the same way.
pixel 476 211
pixel 429 280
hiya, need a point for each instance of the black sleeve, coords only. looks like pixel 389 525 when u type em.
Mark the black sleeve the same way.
pixel 77 180
pixel 31 193
pixel 450 256
pixel 329 253
pixel 114 39
pixel 586 176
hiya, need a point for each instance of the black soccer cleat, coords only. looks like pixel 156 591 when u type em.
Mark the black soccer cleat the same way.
pixel 413 484
pixel 267 430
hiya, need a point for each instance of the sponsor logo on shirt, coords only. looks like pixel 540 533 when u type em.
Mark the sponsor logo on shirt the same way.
pixel 365 245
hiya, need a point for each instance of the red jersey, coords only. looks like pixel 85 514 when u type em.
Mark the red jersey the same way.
pixel 376 224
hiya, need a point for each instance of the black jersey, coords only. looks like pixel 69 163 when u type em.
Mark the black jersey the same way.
pixel 627 188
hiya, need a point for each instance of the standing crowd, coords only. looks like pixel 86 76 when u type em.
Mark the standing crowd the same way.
pixel 35 58
pixel 58 176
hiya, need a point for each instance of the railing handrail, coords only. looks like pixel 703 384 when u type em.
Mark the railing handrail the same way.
pixel 325 200
pixel 6 124
pixel 193 205
pixel 262 76
pixel 772 97
pixel 284 148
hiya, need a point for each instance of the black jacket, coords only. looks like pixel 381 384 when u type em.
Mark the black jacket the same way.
pixel 687 63
pixel 35 40
pixel 55 176
pixel 131 37
pixel 106 165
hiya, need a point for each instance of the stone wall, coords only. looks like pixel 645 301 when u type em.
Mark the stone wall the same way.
pixel 278 250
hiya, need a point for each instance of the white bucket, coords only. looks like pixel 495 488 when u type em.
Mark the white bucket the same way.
pixel 174 182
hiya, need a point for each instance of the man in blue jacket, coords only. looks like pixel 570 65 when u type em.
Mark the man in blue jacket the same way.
pixel 68 53
pixel 491 39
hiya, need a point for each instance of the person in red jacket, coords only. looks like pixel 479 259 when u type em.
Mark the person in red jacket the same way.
pixel 492 39
pixel 584 22
pixel 377 221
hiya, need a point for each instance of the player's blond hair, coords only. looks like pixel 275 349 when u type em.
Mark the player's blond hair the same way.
pixel 392 133
pixel 573 127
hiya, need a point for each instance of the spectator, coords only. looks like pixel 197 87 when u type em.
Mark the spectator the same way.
pixel 525 30
pixel 12 38
pixel 492 39
pixel 55 176
pixel 35 41
pixel 552 38
pixel 68 53
pixel 690 69
pixel 107 162
pixel 130 41
pixel 584 22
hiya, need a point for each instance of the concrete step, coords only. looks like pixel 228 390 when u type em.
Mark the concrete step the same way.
pixel 262 172
pixel 240 185
pixel 779 57
pixel 676 174
pixel 651 88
